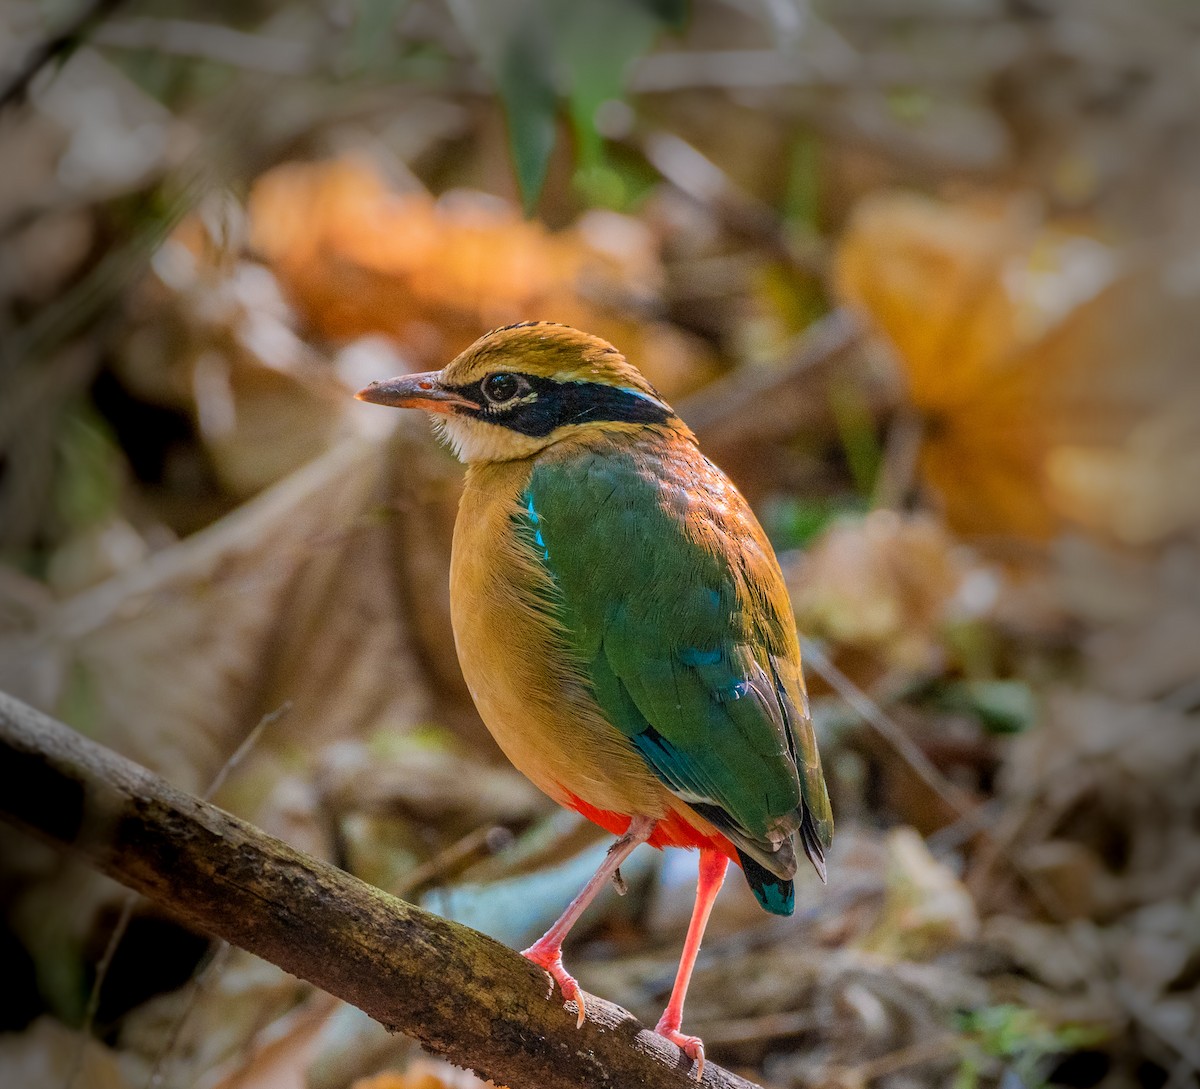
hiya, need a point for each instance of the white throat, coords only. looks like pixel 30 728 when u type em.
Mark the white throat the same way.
pixel 474 440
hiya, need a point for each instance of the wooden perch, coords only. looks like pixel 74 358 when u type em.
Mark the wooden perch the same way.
pixel 458 992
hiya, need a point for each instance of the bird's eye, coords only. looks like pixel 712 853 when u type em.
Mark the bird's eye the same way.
pixel 501 387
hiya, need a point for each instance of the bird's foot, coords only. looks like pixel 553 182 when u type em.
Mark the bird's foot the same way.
pixel 549 958
pixel 691 1046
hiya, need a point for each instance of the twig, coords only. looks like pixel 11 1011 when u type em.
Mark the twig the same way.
pixel 239 754
pixel 901 453
pixel 778 402
pixel 750 1030
pixel 209 42
pixel 459 993
pixel 58 44
pixel 703 181
pixel 1144 1014
pixel 484 841
pixel 914 1054
pixel 887 728
pixel 197 983
pixel 93 1002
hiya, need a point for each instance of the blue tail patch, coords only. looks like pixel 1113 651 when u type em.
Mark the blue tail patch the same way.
pixel 776 894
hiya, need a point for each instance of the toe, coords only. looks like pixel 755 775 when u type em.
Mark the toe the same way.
pixel 551 962
pixel 691 1046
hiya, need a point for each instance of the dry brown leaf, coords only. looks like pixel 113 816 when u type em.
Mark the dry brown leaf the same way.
pixel 212 335
pixel 174 663
pixel 930 276
pixel 1116 778
pixel 1019 342
pixel 357 258
pixel 926 909
pixel 882 589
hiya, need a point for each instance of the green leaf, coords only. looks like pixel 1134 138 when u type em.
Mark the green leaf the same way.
pixel 856 429
pixel 598 43
pixel 802 200
pixel 530 105
pixel 1021 1037
pixel 514 44
pixel 1004 707
pixel 88 482
pixel 539 51
pixel 793 522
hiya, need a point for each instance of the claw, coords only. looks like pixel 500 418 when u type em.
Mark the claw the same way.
pixel 550 961
pixel 691 1046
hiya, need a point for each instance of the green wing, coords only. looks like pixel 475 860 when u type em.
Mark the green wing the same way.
pixel 681 620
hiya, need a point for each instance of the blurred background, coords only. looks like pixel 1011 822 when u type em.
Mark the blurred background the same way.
pixel 924 278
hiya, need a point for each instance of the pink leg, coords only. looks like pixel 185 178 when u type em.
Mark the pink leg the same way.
pixel 547 950
pixel 712 874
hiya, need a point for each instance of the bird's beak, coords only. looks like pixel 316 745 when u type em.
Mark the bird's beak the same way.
pixel 423 391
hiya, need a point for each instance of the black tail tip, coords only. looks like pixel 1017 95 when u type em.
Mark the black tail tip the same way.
pixel 776 894
pixel 813 847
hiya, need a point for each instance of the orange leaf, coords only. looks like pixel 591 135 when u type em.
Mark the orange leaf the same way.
pixel 357 258
pixel 989 312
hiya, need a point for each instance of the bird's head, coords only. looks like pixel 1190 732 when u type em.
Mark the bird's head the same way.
pixel 520 389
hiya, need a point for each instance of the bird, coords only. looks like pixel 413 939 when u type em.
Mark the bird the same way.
pixel 622 624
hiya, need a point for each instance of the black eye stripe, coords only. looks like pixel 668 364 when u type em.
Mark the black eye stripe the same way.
pixel 557 404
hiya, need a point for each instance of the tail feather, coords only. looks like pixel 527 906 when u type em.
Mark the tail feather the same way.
pixel 776 894
pixel 769 867
pixel 811 841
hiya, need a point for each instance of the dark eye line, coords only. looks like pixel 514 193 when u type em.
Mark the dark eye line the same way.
pixel 539 405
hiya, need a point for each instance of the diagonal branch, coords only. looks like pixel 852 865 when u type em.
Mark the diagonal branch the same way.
pixel 459 993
